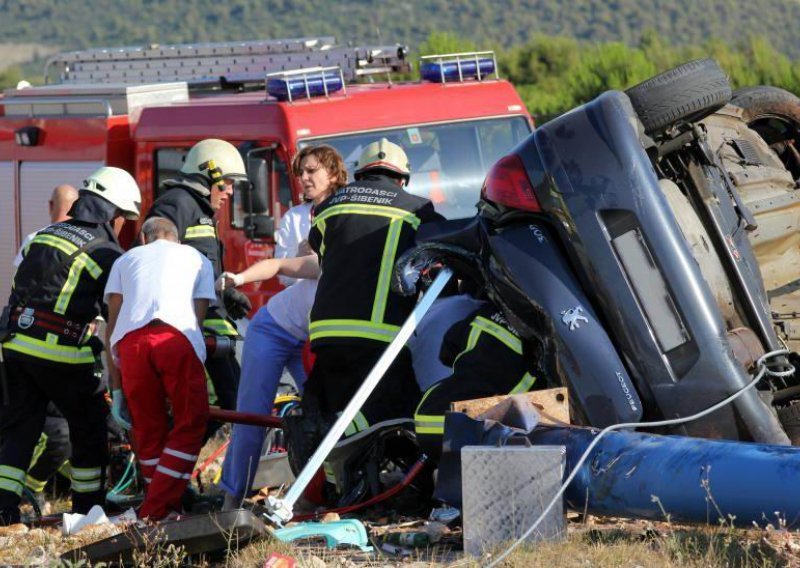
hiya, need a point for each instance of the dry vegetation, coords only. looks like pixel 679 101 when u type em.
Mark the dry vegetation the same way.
pixel 591 542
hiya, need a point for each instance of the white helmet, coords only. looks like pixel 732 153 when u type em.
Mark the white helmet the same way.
pixel 118 187
pixel 384 155
pixel 215 160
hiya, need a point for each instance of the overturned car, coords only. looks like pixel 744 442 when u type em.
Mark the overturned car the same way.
pixel 645 246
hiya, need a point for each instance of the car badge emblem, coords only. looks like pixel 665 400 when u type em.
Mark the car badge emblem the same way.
pixel 26 318
pixel 573 317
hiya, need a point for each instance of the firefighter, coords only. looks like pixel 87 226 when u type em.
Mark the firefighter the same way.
pixel 204 184
pixel 358 234
pixel 56 294
pixel 485 353
pixel 52 451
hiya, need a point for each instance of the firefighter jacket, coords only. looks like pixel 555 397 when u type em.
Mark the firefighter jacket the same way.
pixel 487 358
pixel 358 234
pixel 486 345
pixel 194 218
pixel 52 324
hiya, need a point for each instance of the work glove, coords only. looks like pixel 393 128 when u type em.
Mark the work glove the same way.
pixel 229 279
pixel 119 409
pixel 236 303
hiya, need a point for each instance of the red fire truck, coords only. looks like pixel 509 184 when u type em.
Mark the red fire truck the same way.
pixel 142 109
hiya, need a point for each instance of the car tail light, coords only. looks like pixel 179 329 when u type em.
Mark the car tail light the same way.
pixel 507 184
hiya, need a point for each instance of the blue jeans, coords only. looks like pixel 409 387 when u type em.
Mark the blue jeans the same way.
pixel 267 349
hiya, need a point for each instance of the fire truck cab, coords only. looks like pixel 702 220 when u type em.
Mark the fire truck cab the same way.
pixel 143 108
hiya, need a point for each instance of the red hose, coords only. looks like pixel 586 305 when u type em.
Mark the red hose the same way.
pixel 250 418
pixel 410 476
pixel 201 468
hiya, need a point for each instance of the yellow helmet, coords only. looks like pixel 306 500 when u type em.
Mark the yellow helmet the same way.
pixel 116 186
pixel 215 160
pixel 384 155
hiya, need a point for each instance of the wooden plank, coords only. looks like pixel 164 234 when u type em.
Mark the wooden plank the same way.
pixel 552 405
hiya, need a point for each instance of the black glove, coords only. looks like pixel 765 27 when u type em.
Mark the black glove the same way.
pixel 236 303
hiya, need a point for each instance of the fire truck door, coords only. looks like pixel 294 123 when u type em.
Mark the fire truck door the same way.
pixel 37 180
pixel 8 229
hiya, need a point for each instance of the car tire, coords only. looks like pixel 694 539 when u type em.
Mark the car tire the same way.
pixel 763 102
pixel 775 115
pixel 686 93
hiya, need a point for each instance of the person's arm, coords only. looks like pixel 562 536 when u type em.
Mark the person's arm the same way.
pixel 200 310
pixel 298 267
pixel 290 236
pixel 114 302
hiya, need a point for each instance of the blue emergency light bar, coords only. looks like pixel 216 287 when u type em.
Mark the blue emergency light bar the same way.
pixel 305 83
pixel 457 66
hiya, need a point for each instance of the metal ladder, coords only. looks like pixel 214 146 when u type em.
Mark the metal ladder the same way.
pixel 219 63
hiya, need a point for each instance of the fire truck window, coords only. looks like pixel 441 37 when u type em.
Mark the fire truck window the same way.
pixel 284 192
pixel 168 162
pixel 448 161
pixel 256 202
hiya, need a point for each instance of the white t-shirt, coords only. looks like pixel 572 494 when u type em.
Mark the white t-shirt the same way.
pixel 160 281
pixel 25 242
pixel 291 307
pixel 294 229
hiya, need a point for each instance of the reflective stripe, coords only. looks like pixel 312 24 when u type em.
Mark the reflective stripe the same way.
pixel 9 485
pixel 35 485
pixel 427 423
pixel 82 262
pixel 61 244
pixel 147 479
pixel 524 385
pixel 220 327
pixel 65 469
pixel 11 472
pixel 500 333
pixel 200 232
pixel 85 486
pixel 472 341
pixel 329 476
pixel 358 424
pixel 153 461
pixel 387 264
pixel 172 472
pixel 353 328
pixel 85 473
pixel 362 209
pixel 321 226
pixel 181 455
pixel 50 350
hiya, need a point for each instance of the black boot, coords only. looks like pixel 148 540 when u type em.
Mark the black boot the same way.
pixel 9 516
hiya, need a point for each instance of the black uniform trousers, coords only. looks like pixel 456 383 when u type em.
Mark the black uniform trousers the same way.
pixel 56 449
pixel 224 371
pixel 78 394
pixel 340 369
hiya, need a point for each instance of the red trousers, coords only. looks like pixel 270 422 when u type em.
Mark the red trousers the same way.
pixel 159 366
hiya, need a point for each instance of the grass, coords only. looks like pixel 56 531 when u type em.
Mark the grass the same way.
pixel 606 544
